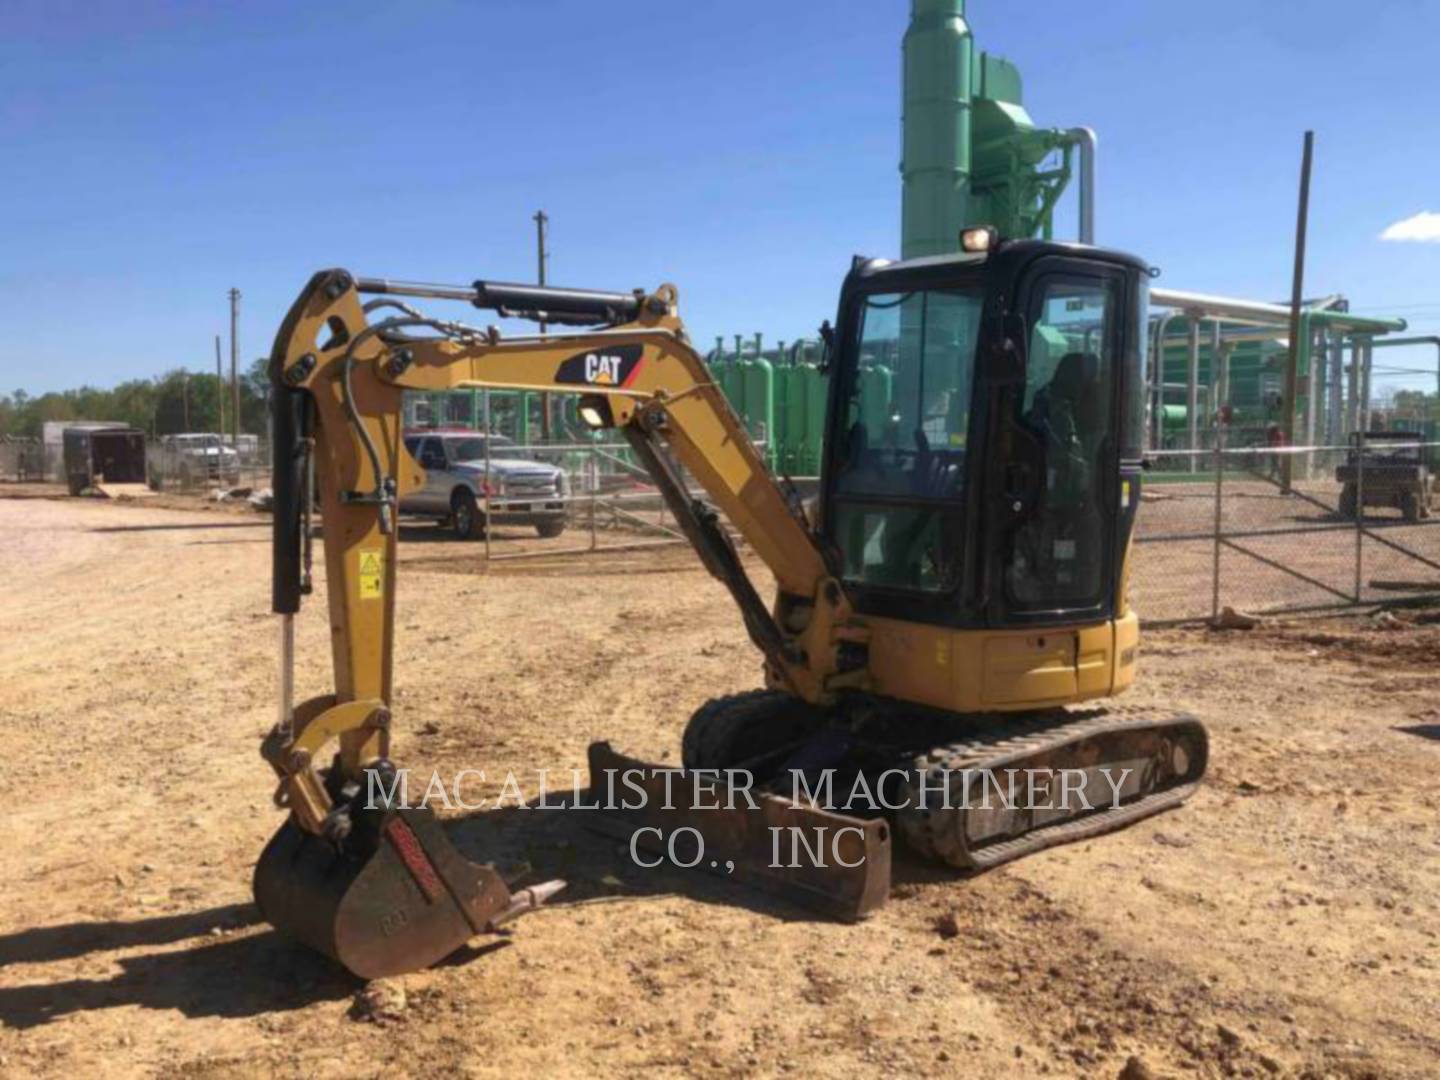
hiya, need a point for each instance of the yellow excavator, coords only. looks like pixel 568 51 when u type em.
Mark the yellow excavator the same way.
pixel 942 612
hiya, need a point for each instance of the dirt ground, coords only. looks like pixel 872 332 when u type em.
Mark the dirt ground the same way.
pixel 1283 923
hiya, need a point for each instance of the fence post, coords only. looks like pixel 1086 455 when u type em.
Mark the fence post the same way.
pixel 1219 493
pixel 1359 510
pixel 489 476
pixel 594 487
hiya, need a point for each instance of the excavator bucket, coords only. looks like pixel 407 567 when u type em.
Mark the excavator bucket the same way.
pixel 829 862
pixel 411 902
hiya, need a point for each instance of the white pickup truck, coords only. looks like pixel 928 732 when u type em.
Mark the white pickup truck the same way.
pixel 521 491
pixel 193 459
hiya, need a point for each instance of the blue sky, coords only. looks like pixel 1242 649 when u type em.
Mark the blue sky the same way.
pixel 155 154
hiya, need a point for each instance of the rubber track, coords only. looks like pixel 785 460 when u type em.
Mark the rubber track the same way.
pixel 939 834
pixel 714 728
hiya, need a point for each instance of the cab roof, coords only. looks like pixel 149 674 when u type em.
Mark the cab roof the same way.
pixel 1017 250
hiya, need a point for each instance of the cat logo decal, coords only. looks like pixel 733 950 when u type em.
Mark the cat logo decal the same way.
pixel 615 366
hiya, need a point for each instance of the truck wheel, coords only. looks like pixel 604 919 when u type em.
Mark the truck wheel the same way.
pixel 550 529
pixel 1347 501
pixel 465 516
pixel 76 484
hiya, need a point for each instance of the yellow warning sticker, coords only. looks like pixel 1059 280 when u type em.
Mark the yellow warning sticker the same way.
pixel 1125 494
pixel 372 574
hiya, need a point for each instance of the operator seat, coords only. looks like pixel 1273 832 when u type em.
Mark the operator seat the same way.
pixel 1059 554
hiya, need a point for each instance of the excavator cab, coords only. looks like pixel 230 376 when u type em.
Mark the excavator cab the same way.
pixel 983 460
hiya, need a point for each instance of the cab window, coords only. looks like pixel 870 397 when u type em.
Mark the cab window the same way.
pixel 900 472
pixel 1057 558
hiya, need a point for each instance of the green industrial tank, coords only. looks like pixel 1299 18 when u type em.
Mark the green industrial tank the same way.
pixel 802 421
pixel 971 153
pixel 789 417
pixel 938 52
pixel 731 378
pixel 758 379
pixel 813 441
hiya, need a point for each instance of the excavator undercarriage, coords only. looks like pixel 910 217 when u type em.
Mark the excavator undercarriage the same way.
pixel 833 787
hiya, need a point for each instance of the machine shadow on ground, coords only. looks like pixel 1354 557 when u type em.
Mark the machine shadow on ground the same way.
pixel 171 526
pixel 565 842
pixel 1424 731
pixel 434 533
pixel 240 974
pixel 224 976
pixel 237 973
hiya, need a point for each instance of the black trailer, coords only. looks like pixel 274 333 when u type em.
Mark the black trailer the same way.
pixel 108 460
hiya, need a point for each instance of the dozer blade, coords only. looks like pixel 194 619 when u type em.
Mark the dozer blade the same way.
pixel 825 861
pixel 410 903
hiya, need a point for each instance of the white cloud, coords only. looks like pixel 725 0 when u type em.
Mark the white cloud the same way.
pixel 1424 227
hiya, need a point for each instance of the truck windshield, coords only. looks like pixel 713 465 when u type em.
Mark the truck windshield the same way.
pixel 899 472
pixel 473 449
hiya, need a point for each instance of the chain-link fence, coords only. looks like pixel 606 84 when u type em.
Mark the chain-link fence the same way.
pixel 572 496
pixel 21 460
pixel 195 463
pixel 609 501
pixel 181 463
pixel 1268 529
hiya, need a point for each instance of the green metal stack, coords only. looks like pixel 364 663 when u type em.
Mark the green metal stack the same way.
pixel 972 155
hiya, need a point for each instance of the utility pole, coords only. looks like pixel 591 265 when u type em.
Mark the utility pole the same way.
pixel 220 387
pixel 185 399
pixel 1297 293
pixel 542 220
pixel 235 369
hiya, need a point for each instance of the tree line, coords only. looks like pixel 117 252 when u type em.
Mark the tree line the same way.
pixel 168 404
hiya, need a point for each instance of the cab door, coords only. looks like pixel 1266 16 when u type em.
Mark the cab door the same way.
pixel 1054 480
